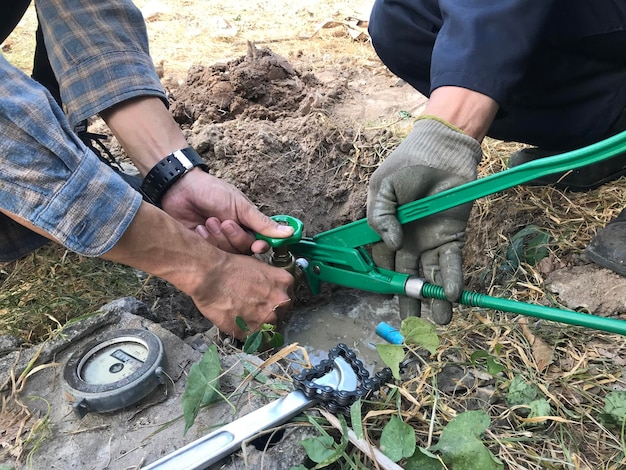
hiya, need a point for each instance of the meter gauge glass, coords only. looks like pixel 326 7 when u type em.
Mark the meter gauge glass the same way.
pixel 114 362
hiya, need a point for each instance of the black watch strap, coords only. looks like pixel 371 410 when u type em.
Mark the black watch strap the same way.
pixel 169 170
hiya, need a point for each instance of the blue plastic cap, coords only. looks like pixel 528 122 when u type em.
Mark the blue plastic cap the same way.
pixel 389 333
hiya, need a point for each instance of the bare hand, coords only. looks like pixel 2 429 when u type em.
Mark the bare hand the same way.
pixel 246 287
pixel 220 213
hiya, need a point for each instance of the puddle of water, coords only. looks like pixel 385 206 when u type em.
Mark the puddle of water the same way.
pixel 351 318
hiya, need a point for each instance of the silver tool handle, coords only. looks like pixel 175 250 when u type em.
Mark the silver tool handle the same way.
pixel 213 447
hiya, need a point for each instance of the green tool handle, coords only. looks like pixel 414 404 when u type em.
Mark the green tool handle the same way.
pixel 474 299
pixel 359 233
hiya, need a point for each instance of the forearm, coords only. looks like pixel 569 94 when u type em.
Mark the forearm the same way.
pixel 158 244
pixel 470 111
pixel 146 130
pixel 49 178
pixel 176 254
pixel 222 285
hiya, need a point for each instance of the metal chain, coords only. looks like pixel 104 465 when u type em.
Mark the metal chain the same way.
pixel 339 401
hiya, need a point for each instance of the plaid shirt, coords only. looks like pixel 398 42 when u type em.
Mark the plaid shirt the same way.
pixel 99 52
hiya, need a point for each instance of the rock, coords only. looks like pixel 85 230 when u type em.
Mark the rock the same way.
pixel 18 361
pixel 597 290
pixel 126 438
pixel 9 344
pixel 153 427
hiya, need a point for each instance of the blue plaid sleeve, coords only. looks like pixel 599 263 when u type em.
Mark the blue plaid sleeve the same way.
pixel 50 178
pixel 99 52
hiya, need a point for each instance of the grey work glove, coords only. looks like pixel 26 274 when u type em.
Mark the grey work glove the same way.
pixel 434 157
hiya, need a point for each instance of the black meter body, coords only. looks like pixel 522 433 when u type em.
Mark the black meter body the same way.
pixel 115 371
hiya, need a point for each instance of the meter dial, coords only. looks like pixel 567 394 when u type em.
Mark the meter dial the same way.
pixel 114 362
pixel 115 371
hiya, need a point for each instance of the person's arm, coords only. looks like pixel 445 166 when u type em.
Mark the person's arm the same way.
pixel 49 178
pixel 217 210
pixel 479 55
pixel 470 111
pixel 485 46
pixel 52 184
pixel 222 285
pixel 145 129
pixel 100 55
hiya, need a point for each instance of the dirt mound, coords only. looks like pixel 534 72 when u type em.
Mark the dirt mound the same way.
pixel 272 131
pixel 262 84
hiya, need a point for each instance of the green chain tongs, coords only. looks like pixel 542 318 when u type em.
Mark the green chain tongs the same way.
pixel 338 256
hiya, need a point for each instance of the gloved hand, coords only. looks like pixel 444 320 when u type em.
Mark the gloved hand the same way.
pixel 434 157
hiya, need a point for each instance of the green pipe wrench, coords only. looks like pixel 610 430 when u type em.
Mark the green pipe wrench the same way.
pixel 339 256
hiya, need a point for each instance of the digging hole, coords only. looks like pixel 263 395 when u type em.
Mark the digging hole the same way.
pixel 269 440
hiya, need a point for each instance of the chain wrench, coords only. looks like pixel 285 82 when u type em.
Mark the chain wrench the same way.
pixel 341 377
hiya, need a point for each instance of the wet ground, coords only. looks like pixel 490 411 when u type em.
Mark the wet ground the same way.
pixel 351 318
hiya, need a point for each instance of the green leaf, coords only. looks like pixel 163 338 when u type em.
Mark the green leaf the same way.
pixel 615 404
pixel 319 448
pixel 521 392
pixel 241 324
pixel 420 332
pixel 254 371
pixel 392 355
pixel 356 419
pixel 529 245
pixel 460 444
pixel 324 450
pixel 540 407
pixel 202 385
pixel 253 342
pixel 493 366
pixel 423 460
pixel 537 248
pixel 276 340
pixel 339 448
pixel 397 440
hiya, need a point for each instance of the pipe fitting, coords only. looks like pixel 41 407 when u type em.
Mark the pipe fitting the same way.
pixel 413 287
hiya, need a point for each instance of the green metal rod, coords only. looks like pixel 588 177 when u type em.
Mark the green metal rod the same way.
pixel 359 233
pixel 474 299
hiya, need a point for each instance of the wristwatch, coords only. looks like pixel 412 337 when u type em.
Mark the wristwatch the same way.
pixel 169 170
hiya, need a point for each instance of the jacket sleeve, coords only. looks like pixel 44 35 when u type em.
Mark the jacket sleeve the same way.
pixel 484 45
pixel 50 178
pixel 99 52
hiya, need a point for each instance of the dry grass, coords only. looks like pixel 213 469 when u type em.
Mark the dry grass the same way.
pixel 43 291
pixel 571 219
pixel 573 368
pixel 575 382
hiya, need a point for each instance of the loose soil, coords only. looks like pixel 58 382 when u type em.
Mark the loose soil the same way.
pixel 273 130
pixel 294 142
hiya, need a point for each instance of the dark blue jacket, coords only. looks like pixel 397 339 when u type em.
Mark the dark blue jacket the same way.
pixel 556 67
